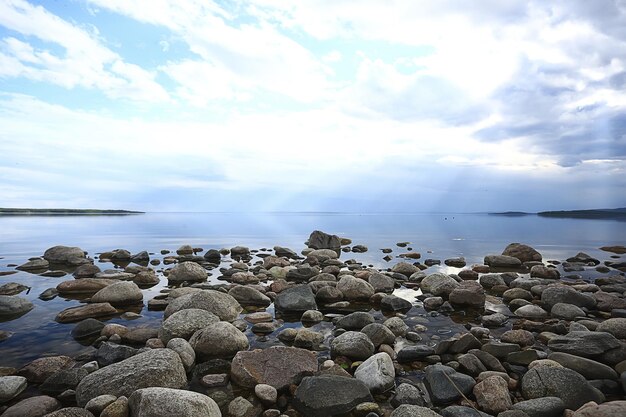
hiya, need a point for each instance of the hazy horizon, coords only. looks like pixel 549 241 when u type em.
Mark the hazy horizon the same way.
pixel 313 106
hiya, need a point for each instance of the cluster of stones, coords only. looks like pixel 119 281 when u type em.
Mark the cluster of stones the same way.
pixel 539 345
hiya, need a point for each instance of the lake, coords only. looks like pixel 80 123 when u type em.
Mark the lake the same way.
pixel 437 236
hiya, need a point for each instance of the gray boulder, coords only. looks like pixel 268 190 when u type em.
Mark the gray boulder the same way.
pixel 502 261
pixel 187 272
pixel 522 252
pixel 585 344
pixel 541 407
pixel 153 368
pixel 355 288
pixel 354 345
pixel 564 294
pixel 379 334
pixel 296 299
pixel 321 240
pixel 381 283
pixel 185 323
pixel 218 340
pixel 407 410
pixel 329 395
pixel 566 311
pixel 166 402
pixel 248 296
pixel 444 384
pixel 377 373
pixel 355 321
pixel 588 368
pixel 615 326
pixel 33 407
pixel 568 385
pixel 222 305
pixel 120 293
pixel 13 306
pixel 63 255
pixel 11 387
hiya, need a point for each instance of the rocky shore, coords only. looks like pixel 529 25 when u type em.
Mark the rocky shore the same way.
pixel 315 333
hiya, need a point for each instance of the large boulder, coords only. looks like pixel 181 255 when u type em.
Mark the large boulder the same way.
pixel 278 366
pixel 218 340
pixel 381 283
pixel 120 293
pixel 11 387
pixel 377 373
pixel 222 305
pixel 502 261
pixel 248 296
pixel 40 369
pixel 468 293
pixel 438 284
pixel 13 306
pixel 610 409
pixel 79 313
pixel 321 240
pixel 185 323
pixel 355 288
pixel 564 294
pixel 615 326
pixel 492 395
pixel 64 255
pixel 522 252
pixel 584 343
pixel 84 285
pixel 166 402
pixel 296 299
pixel 153 368
pixel 568 385
pixel 187 272
pixel 354 345
pixel 588 368
pixel 446 385
pixel 329 395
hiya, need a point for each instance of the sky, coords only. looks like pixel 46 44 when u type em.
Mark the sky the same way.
pixel 313 105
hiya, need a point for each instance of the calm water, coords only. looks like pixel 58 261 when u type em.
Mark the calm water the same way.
pixel 435 236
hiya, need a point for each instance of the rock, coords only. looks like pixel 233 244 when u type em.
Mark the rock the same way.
pixel 610 409
pixel 502 261
pixel 12 306
pixel 541 407
pixel 70 412
pixel 568 385
pixel 87 328
pixel 296 299
pixel 381 283
pixel 566 311
pixel 500 350
pixel 585 344
pixel 379 334
pixel 64 255
pixel 354 345
pixel 492 395
pixel 405 268
pixel 218 340
pixel 166 402
pixel 518 336
pixel 522 252
pixel 222 305
pixel 118 408
pixel 455 262
pixel 34 264
pixel 615 326
pixel 118 294
pixel 494 320
pixel 98 404
pixel 12 288
pixel 414 353
pixel 73 314
pixel 266 393
pixel 240 407
pixel 184 350
pixel 583 258
pixel 187 272
pixel 308 339
pixel 84 285
pixel 86 271
pixel 355 288
pixel 532 312
pixel 248 296
pixel 312 316
pixel 48 294
pixel 407 394
pixel 321 240
pixel 441 390
pixel 153 368
pixel 438 284
pixel 184 323
pixel 329 395
pixel 407 410
pixel 563 294
pixel 11 387
pixel 63 380
pixel 468 293
pixel 588 368
pixel 542 271
pixel 462 411
pixel 213 256
pixel 471 365
pixel 377 373
pixel 355 321
pixel 40 369
pixel 491 280
pixel 397 326
pixel 278 366
pixel 394 303
pixel 33 407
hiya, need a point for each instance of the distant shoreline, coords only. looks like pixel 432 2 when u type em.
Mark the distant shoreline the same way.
pixel 618 213
pixel 64 212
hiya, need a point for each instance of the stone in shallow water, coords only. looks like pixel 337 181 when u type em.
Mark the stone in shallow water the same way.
pixel 73 314
pixel 354 345
pixel 297 299
pixel 185 323
pixel 218 340
pixel 12 306
pixel 329 395
pixel 222 305
pixel 40 369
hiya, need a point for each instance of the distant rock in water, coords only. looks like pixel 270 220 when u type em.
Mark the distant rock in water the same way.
pixel 321 240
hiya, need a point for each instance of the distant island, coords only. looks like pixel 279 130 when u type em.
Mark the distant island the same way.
pixel 70 212
pixel 617 213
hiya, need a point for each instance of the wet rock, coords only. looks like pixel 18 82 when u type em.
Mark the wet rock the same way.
pixel 277 366
pixel 414 353
pixel 585 344
pixel 492 395
pixel 354 345
pixel 456 262
pixel 296 299
pixel 394 303
pixel 308 339
pixel 321 240
pixel 568 385
pixel 502 261
pixel 153 368
pixel 33 407
pixel 377 373
pixel 405 268
pixel 79 313
pixel 541 407
pixel 13 306
pixel 468 293
pixel 34 264
pixel 184 323
pixel 86 271
pixel 312 316
pixel 522 252
pixel 64 255
pixel 187 272
pixel 328 295
pixel 465 343
pixel 248 296
pixel 440 387
pixel 12 288
pixel 118 294
pixel 87 328
pixel 11 387
pixel 329 395
pixel 40 369
pixel 500 350
pixel 84 285
pixel 471 365
pixel 222 305
pixel 494 320
pixel 397 326
pixel 583 258
pixel 542 271
pixel 218 340
pixel 165 402
pixel 48 294
pixel 379 334
pixel 563 294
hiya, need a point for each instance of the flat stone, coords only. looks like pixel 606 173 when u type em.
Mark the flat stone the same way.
pixel 588 368
pixel 585 344
pixel 33 407
pixel 79 313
